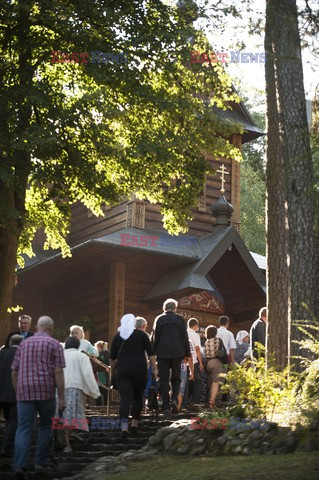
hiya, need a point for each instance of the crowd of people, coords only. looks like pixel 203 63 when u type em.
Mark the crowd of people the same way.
pixel 40 375
pixel 174 354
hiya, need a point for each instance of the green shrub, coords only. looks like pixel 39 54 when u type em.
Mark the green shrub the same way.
pixel 307 399
pixel 262 391
pixel 293 398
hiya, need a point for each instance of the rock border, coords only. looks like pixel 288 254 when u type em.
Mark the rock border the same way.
pixel 245 439
pixel 180 439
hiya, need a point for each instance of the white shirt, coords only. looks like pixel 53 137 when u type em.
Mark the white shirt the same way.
pixel 227 338
pixel 194 338
pixel 191 348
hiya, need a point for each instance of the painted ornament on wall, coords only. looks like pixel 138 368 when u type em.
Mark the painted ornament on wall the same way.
pixel 204 301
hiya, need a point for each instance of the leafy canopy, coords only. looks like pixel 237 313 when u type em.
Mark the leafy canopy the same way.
pixel 95 132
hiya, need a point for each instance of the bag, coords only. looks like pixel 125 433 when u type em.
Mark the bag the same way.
pixel 222 354
pixel 58 441
pixel 113 380
pixel 114 374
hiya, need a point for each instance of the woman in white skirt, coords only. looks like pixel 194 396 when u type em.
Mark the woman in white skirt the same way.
pixel 79 381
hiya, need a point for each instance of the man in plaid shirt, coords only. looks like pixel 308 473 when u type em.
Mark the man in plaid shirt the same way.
pixel 37 369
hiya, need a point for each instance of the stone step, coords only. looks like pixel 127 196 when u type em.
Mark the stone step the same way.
pixel 64 457
pixel 109 448
pixel 5 476
pixel 96 446
pixel 111 436
pixel 96 443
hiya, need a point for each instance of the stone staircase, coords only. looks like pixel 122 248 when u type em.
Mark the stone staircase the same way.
pixel 96 443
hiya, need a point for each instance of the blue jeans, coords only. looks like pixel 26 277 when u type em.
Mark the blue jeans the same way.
pixel 26 418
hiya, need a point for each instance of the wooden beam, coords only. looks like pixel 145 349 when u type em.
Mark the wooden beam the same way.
pixel 117 297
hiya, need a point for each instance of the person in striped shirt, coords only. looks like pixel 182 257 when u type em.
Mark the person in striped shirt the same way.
pixel 37 369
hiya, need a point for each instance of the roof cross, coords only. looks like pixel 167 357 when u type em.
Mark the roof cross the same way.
pixel 223 172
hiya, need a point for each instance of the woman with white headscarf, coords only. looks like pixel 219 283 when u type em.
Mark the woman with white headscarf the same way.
pixel 128 354
pixel 242 345
pixel 78 332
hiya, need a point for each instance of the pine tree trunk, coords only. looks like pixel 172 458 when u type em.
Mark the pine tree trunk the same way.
pixel 299 178
pixel 285 88
pixel 277 238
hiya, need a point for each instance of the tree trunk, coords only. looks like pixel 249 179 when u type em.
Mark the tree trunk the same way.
pixel 13 191
pixel 285 92
pixel 299 178
pixel 9 238
pixel 277 239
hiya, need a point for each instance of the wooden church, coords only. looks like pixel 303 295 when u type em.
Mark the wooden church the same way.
pixel 125 262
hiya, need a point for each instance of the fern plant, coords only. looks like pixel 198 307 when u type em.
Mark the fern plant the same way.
pixel 261 391
pixel 307 399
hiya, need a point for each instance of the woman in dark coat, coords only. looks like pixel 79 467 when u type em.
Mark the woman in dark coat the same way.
pixel 128 355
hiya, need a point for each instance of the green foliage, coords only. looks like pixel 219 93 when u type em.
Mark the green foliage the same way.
pixel 252 200
pixel 310 340
pixel 234 411
pixel 17 308
pixel 64 322
pixel 96 132
pixel 262 391
pixel 61 333
pixel 253 181
pixel 308 392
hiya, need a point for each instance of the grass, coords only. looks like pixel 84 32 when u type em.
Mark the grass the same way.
pixel 294 466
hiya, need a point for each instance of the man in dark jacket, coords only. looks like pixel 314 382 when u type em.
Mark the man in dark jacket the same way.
pixel 258 332
pixel 8 401
pixel 24 326
pixel 171 345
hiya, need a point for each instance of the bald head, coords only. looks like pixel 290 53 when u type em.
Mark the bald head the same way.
pixel 45 324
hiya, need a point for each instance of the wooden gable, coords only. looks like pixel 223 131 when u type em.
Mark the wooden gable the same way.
pixel 139 214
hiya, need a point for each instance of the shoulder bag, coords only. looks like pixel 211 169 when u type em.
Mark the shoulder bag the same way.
pixel 221 353
pixel 113 379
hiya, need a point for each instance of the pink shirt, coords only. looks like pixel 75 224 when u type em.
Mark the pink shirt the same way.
pixel 35 361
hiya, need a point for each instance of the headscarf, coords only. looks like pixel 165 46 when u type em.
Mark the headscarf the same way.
pixel 127 327
pixel 241 335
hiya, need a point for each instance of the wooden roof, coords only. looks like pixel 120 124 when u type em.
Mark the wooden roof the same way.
pixel 239 114
pixel 218 261
pixel 214 248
